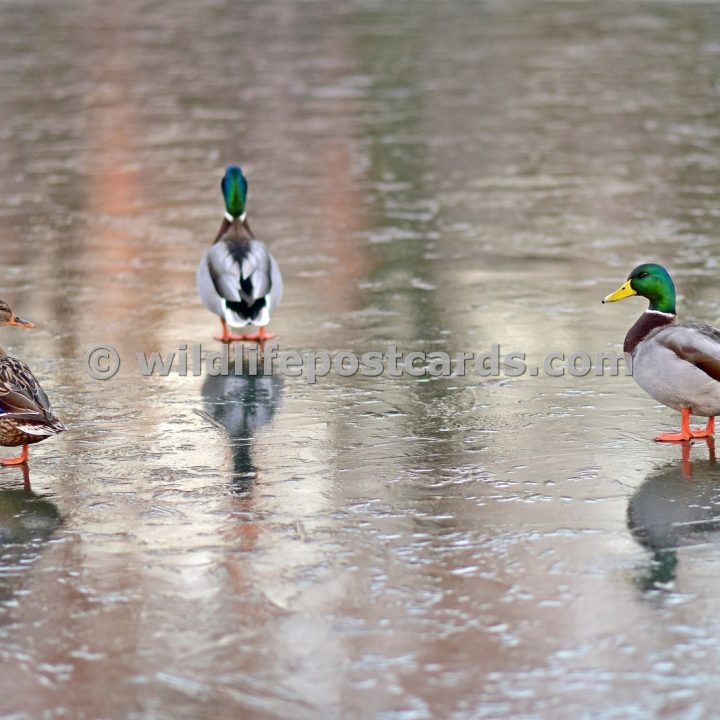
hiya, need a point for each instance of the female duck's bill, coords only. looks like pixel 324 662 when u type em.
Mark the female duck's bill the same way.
pixel 8 317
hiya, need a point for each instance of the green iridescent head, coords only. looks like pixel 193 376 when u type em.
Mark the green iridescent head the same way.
pixel 234 188
pixel 651 281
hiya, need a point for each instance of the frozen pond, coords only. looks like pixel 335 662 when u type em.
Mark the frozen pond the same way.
pixel 436 175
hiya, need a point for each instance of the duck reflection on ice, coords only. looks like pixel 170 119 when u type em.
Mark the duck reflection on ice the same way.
pixel 26 520
pixel 26 516
pixel 242 404
pixel 676 506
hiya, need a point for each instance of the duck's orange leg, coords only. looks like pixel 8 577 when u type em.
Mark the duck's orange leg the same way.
pixel 227 336
pixel 684 434
pixel 24 455
pixel 709 430
pixel 260 336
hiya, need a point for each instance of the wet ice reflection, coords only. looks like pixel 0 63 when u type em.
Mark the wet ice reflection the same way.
pixel 443 176
pixel 241 405
pixel 27 520
pixel 677 506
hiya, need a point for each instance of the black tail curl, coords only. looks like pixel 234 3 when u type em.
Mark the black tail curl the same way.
pixel 249 311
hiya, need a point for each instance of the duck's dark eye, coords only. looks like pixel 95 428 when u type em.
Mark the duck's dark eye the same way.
pixel 643 275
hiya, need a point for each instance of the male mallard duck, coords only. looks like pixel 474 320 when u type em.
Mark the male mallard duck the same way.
pixel 238 279
pixel 678 365
pixel 25 413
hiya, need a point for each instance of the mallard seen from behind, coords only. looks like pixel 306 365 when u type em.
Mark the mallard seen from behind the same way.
pixel 238 279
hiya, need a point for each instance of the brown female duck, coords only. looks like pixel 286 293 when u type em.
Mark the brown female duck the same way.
pixel 25 413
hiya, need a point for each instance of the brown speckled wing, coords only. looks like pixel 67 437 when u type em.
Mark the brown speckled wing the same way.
pixel 20 393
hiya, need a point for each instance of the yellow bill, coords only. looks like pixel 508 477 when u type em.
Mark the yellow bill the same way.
pixel 621 293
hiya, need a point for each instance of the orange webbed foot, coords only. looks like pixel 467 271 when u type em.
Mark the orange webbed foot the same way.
pixel 685 432
pixel 229 337
pixel 673 437
pixel 5 462
pixel 708 431
pixel 260 336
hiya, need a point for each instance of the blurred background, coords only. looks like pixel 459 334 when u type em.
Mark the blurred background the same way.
pixel 442 176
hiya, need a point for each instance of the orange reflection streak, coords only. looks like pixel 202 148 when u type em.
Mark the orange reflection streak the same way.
pixel 342 209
